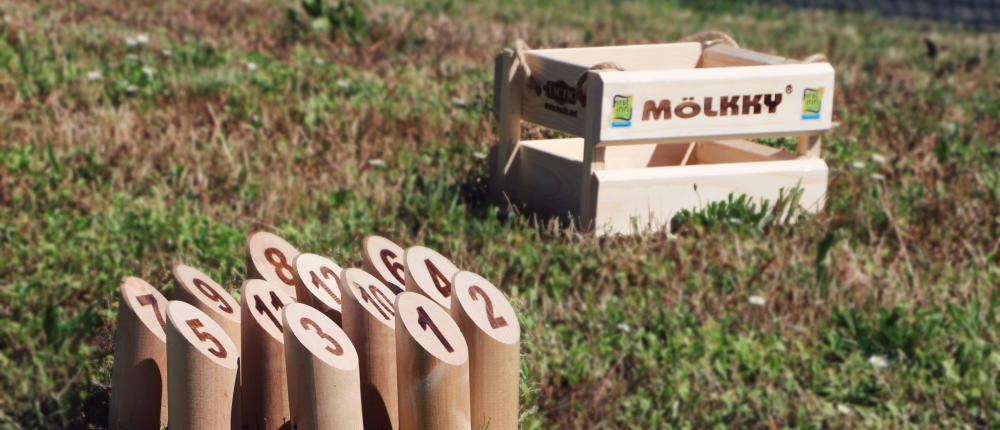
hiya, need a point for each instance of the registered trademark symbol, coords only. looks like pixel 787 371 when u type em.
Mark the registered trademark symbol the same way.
pixel 788 89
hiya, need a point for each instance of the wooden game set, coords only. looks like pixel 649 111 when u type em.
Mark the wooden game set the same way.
pixel 657 129
pixel 407 341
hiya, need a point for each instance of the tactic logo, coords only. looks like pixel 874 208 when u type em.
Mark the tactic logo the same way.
pixel 621 111
pixel 812 102
pixel 562 94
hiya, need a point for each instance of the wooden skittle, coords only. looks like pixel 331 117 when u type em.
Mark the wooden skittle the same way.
pixel 368 320
pixel 493 334
pixel 429 273
pixel 382 258
pixel 199 290
pixel 139 375
pixel 324 383
pixel 432 366
pixel 317 284
pixel 270 257
pixel 263 381
pixel 203 366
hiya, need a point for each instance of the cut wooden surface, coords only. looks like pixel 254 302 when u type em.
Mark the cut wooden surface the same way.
pixel 433 366
pixel 263 381
pixel 384 259
pixel 493 334
pixel 317 284
pixel 429 273
pixel 651 197
pixel 369 318
pixel 270 257
pixel 695 100
pixel 196 288
pixel 324 382
pixel 204 364
pixel 139 375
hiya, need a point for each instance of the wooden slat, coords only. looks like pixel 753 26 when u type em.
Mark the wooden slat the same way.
pixel 653 196
pixel 703 91
pixel 663 56
pixel 727 56
pixel 738 151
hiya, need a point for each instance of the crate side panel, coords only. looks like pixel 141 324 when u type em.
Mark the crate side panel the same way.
pixel 651 197
pixel 546 176
pixel 715 103
pixel 552 100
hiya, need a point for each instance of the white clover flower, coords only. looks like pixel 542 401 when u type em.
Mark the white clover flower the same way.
pixel 624 328
pixel 879 158
pixel 131 42
pixel 142 39
pixel 878 176
pixel 376 162
pixel 251 66
pixel 94 75
pixel 859 165
pixel 148 71
pixel 878 362
pixel 757 300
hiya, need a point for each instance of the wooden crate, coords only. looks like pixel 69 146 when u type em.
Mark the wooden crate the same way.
pixel 660 128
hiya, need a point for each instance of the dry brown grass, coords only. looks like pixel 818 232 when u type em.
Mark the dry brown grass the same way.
pixel 651 331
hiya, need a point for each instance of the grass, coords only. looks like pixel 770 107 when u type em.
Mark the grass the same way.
pixel 119 160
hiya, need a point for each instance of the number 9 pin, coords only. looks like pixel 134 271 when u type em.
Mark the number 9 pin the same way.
pixel 208 296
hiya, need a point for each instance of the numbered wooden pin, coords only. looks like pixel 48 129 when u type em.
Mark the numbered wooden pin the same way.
pixel 324 383
pixel 494 336
pixel 139 375
pixel 368 320
pixel 263 381
pixel 199 290
pixel 429 273
pixel 270 257
pixel 317 284
pixel 204 364
pixel 433 366
pixel 384 259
